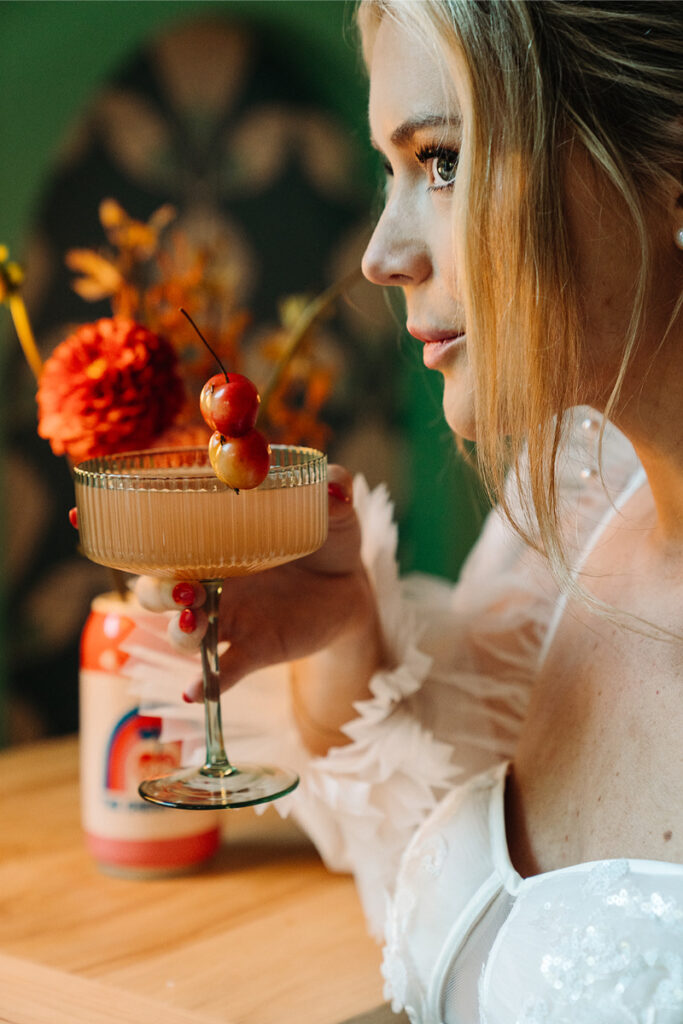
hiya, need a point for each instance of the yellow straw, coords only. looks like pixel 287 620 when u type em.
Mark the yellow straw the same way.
pixel 25 334
pixel 11 278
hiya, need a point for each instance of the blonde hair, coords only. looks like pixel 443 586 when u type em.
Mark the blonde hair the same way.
pixel 544 74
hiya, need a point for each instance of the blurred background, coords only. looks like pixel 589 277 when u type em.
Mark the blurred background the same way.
pixel 250 119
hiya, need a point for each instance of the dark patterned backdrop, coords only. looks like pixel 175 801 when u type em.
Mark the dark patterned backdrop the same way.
pixel 213 119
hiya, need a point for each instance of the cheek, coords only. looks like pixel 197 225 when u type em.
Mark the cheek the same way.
pixel 455 232
pixel 447 252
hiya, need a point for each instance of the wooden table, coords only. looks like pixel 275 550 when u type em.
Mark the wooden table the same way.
pixel 264 935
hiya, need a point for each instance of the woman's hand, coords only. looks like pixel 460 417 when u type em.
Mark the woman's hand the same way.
pixel 187 628
pixel 318 611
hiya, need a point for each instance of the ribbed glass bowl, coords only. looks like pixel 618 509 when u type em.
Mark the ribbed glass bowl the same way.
pixel 164 513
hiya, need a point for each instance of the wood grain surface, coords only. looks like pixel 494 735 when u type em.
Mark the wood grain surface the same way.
pixel 262 935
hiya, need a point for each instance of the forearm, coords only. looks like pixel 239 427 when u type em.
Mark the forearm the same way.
pixel 326 685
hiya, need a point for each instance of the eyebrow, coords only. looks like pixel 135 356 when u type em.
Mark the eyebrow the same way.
pixel 404 133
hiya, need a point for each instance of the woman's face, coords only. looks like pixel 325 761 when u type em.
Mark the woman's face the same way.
pixel 416 122
pixel 419 111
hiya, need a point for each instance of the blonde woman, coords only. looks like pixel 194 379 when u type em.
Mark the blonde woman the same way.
pixel 502 758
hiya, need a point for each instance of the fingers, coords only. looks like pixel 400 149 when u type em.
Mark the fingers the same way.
pixel 339 490
pixel 341 552
pixel 186 629
pixel 233 666
pixel 194 693
pixel 158 595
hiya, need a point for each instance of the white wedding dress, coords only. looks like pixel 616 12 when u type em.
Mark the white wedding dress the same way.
pixel 414 804
pixel 469 940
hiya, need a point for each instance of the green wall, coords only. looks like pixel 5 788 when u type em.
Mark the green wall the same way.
pixel 54 53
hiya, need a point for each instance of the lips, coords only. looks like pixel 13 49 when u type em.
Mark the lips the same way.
pixel 438 345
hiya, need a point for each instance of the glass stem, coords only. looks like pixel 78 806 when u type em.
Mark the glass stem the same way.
pixel 216 758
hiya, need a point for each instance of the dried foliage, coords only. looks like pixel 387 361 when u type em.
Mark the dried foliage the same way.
pixel 149 271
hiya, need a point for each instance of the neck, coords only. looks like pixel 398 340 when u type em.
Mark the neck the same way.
pixel 652 421
pixel 664 469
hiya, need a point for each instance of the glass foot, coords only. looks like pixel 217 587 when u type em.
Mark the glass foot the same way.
pixel 237 786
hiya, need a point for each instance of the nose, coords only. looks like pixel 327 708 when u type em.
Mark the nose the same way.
pixel 395 255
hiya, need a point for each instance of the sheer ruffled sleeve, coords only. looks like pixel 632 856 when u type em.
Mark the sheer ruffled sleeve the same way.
pixel 462 661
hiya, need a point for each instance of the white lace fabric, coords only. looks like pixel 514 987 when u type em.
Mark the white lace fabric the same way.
pixel 447 712
pixel 601 942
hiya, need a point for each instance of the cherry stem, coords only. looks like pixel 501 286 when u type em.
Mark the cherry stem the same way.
pixel 188 317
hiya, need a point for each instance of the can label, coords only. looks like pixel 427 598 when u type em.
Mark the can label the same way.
pixel 119 747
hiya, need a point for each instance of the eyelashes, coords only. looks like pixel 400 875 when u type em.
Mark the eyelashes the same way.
pixel 441 164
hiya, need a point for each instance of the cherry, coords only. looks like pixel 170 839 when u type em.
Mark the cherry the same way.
pixel 239 454
pixel 229 404
pixel 240 462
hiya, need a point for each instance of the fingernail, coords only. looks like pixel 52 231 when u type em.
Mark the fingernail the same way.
pixel 73 517
pixel 187 620
pixel 337 491
pixel 187 699
pixel 183 593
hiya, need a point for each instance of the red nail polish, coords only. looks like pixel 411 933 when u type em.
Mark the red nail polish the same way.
pixel 188 700
pixel 336 491
pixel 187 620
pixel 73 517
pixel 183 593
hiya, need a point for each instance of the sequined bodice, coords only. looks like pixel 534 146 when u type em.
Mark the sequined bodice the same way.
pixel 470 940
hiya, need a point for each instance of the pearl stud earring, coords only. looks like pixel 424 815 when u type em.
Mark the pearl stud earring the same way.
pixel 590 433
pixel 678 238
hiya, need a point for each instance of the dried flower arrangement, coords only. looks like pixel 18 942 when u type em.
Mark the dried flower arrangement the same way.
pixel 132 380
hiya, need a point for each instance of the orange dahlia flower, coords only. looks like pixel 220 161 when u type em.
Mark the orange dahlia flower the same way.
pixel 111 386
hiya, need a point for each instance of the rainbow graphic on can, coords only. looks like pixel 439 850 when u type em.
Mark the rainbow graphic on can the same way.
pixel 134 752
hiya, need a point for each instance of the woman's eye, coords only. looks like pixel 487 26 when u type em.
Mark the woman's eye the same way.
pixel 444 167
pixel 441 165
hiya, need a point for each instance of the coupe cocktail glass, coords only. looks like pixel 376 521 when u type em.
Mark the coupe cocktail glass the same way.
pixel 164 513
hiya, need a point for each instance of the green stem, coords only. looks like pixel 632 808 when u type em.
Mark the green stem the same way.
pixel 310 314
pixel 217 763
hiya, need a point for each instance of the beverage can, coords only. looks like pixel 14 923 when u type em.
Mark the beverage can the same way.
pixel 120 746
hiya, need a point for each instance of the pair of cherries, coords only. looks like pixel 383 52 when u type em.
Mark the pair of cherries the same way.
pixel 239 454
pixel 229 403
